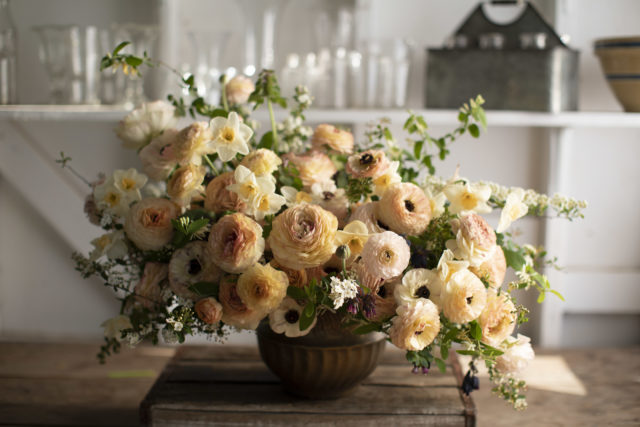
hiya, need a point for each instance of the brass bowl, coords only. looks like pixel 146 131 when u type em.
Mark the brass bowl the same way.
pixel 327 363
pixel 620 61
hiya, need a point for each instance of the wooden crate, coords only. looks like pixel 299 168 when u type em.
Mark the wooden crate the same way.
pixel 224 385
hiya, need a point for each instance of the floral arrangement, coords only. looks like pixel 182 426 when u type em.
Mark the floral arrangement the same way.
pixel 221 230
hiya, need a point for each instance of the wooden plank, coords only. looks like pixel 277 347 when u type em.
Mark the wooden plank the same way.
pixel 165 417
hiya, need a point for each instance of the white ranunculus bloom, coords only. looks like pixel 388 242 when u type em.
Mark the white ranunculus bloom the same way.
pixel 286 319
pixel 419 283
pixel 517 355
pixel 467 197
pixel 113 327
pixel 145 123
pixel 110 244
pixel 514 208
pixel 230 136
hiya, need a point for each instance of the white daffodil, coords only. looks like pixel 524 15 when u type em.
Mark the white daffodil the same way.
pixel 387 179
pixel 113 327
pixel 514 208
pixel 112 200
pixel 294 197
pixel 447 266
pixel 130 182
pixel 286 319
pixel 246 184
pixel 342 290
pixel 263 204
pixel 354 235
pixel 230 137
pixel 467 197
pixel 419 283
pixel 111 244
pixel 437 202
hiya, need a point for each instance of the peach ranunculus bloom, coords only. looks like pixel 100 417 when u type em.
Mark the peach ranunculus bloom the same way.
pixel 186 184
pixel 157 157
pixel 303 236
pixel 493 269
pixel 464 297
pixel 405 209
pixel 475 239
pixel 367 164
pixel 238 89
pixel 209 310
pixel 234 311
pixel 385 255
pixel 261 162
pixel 498 319
pixel 218 199
pixel 313 167
pixel 262 287
pixel 236 243
pixel 332 138
pixel 148 291
pixel 148 223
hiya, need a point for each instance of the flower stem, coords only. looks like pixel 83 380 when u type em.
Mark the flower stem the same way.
pixel 225 103
pixel 273 126
pixel 210 163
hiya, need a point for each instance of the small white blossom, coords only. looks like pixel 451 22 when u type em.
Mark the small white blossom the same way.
pixel 342 290
pixel 177 325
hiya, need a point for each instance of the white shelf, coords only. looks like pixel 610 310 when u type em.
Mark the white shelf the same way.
pixel 107 113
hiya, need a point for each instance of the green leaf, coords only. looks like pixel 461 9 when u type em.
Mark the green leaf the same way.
pixel 365 329
pixel 441 365
pixel 308 314
pixel 541 297
pixel 556 293
pixel 196 225
pixel 514 259
pixel 296 293
pixel 387 134
pixel 417 149
pixel 120 47
pixel 266 141
pixel 134 61
pixel 476 330
pixel 206 289
pixel 444 351
pixel 474 130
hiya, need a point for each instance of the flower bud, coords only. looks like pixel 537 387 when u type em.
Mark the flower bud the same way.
pixel 343 252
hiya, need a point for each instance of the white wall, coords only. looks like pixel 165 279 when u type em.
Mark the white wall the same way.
pixel 41 294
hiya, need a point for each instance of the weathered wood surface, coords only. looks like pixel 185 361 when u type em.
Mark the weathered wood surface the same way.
pixel 203 386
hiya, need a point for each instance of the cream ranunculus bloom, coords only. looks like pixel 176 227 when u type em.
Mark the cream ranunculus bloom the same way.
pixel 230 136
pixel 236 243
pixel 313 167
pixel 209 310
pixel 157 157
pixel 467 197
pixel 145 123
pixel 416 325
pixel 475 239
pixel 513 209
pixel 517 355
pixel 419 283
pixel 148 224
pixel 193 142
pixel 189 265
pixel 493 269
pixel 463 297
pixel 261 162
pixel 405 209
pixel 262 287
pixel 238 89
pixel 498 319
pixel 234 311
pixel 219 199
pixel 286 319
pixel 332 138
pixel 385 255
pixel 303 236
pixel 185 184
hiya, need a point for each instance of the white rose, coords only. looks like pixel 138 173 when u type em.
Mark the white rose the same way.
pixel 145 123
pixel 517 355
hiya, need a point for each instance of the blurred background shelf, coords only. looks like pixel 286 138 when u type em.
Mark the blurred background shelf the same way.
pixel 577 119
